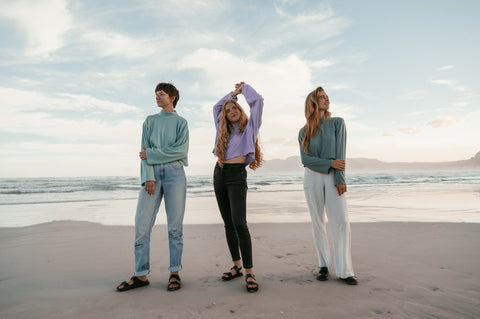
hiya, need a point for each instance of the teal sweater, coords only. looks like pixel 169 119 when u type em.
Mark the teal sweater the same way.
pixel 327 145
pixel 165 135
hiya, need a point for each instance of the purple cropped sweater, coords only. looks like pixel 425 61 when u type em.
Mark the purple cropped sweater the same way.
pixel 244 143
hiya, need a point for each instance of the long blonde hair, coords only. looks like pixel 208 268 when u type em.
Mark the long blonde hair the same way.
pixel 225 128
pixel 312 114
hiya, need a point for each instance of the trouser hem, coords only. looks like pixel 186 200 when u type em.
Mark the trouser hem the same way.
pixel 142 273
pixel 175 268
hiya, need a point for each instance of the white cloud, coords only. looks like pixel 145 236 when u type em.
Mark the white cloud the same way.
pixel 320 22
pixel 104 44
pixel 445 82
pixel 460 104
pixel 413 95
pixel 446 67
pixel 443 122
pixel 450 83
pixel 45 22
pixel 409 130
pixel 28 101
pixel 322 64
pixel 46 121
pixel 83 102
pixel 337 86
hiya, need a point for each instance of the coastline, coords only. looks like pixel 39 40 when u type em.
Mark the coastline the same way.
pixel 405 269
pixel 421 203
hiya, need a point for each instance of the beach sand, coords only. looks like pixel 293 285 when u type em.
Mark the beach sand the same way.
pixel 405 270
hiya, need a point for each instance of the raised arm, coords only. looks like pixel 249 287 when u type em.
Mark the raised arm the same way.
pixel 217 108
pixel 255 101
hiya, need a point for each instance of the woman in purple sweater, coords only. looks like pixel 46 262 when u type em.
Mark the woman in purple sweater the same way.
pixel 236 146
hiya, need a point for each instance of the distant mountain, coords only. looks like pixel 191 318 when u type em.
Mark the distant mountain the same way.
pixel 293 164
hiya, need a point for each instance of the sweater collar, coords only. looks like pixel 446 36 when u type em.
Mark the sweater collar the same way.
pixel 163 113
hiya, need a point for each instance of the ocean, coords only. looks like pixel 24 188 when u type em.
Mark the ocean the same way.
pixel 40 192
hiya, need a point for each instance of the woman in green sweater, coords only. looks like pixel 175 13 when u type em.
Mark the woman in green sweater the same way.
pixel 322 147
pixel 163 153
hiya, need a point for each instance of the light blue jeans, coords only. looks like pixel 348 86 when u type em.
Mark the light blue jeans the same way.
pixel 171 183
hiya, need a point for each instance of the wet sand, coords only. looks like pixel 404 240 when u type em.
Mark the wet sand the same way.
pixel 405 270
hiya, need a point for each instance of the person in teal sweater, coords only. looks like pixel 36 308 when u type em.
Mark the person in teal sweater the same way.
pixel 322 148
pixel 163 153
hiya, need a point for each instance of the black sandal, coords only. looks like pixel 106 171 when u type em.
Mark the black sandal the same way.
pixel 229 275
pixel 174 284
pixel 252 285
pixel 137 283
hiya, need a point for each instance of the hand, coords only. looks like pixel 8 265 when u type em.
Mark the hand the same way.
pixel 143 154
pixel 341 188
pixel 150 187
pixel 238 89
pixel 339 164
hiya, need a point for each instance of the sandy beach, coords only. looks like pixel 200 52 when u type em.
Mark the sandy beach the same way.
pixel 405 270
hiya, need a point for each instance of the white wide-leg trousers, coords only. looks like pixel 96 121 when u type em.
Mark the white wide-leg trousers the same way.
pixel 321 195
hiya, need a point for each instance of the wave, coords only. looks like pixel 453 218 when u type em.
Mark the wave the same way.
pixel 51 190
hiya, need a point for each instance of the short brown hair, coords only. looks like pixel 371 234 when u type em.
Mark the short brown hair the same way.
pixel 170 89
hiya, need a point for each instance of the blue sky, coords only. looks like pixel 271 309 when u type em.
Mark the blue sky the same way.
pixel 77 77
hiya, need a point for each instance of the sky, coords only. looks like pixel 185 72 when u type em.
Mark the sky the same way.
pixel 77 78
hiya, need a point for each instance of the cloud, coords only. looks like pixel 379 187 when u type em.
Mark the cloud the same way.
pixel 320 22
pixel 443 122
pixel 45 23
pixel 446 67
pixel 28 101
pixel 450 83
pixel 388 134
pixel 413 95
pixel 104 44
pixel 337 86
pixel 320 64
pixel 218 67
pixel 72 119
pixel 409 130
pixel 444 82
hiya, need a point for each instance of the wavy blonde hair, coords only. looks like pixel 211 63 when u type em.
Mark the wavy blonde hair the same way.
pixel 312 114
pixel 225 128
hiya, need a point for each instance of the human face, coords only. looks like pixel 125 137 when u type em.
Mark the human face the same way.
pixel 164 100
pixel 233 112
pixel 323 101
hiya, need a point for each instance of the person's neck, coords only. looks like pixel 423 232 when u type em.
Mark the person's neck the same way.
pixel 168 108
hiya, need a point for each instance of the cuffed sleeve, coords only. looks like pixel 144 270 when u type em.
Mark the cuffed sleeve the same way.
pixel 340 149
pixel 146 170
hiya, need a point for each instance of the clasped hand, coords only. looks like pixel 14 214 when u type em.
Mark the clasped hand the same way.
pixel 340 165
pixel 150 185
pixel 143 154
pixel 238 89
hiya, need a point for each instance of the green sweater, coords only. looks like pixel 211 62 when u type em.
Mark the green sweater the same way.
pixel 165 135
pixel 327 145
